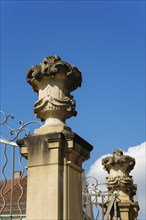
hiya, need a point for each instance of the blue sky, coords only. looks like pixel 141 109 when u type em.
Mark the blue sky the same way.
pixel 105 40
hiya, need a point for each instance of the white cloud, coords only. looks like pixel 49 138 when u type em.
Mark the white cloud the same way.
pixel 138 173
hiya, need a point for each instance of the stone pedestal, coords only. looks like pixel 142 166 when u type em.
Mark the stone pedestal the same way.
pixel 54 188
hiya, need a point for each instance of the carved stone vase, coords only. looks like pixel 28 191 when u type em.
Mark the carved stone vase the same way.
pixel 54 80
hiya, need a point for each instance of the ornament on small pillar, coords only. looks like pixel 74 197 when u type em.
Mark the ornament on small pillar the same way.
pixel 54 80
pixel 121 183
pixel 119 166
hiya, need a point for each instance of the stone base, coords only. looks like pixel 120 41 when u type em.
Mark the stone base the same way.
pixel 51 129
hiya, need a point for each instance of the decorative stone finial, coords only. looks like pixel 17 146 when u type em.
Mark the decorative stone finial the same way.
pixel 119 166
pixel 53 80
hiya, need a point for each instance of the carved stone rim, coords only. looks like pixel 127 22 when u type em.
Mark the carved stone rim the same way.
pixel 49 68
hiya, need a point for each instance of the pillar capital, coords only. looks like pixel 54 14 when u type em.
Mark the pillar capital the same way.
pixel 76 149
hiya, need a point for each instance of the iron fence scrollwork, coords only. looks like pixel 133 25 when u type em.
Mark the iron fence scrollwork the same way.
pixel 95 196
pixel 12 182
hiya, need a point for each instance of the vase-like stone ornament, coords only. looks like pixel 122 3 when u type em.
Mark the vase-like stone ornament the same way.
pixel 54 80
pixel 119 181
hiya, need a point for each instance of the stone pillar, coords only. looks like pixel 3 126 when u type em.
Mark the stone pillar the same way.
pixel 54 187
pixel 121 183
pixel 55 154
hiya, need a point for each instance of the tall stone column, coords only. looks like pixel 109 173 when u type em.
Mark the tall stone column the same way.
pixel 121 183
pixel 55 154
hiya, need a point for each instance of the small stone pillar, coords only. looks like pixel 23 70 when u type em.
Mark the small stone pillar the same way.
pixel 55 154
pixel 121 183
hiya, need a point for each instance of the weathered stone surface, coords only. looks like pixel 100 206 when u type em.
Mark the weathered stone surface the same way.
pixel 54 189
pixel 55 154
pixel 119 166
pixel 54 80
pixel 120 182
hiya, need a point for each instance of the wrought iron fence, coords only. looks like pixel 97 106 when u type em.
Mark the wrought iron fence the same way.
pixel 95 196
pixel 13 169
